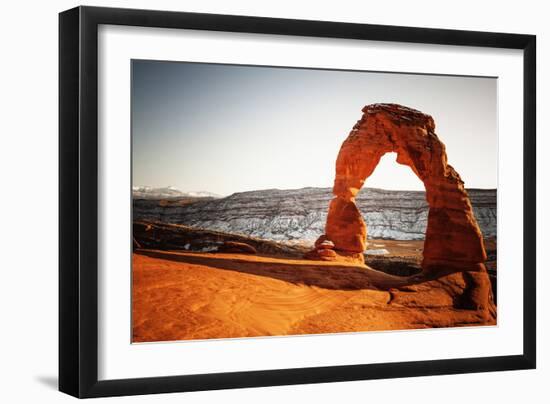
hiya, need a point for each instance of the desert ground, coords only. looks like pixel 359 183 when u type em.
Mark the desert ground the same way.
pixel 184 295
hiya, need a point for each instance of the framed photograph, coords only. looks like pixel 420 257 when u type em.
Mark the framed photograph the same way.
pixel 250 201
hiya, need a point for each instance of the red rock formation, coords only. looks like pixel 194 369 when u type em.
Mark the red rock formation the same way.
pixel 453 239
pixel 345 226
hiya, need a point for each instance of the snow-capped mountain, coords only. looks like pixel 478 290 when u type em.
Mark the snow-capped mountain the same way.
pixel 146 192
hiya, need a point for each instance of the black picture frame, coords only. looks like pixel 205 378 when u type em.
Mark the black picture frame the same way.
pixel 78 201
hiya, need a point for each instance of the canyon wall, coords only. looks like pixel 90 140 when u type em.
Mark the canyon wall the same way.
pixel 300 215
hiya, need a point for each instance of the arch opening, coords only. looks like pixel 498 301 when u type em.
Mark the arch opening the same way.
pixel 392 203
pixel 453 239
pixel 392 176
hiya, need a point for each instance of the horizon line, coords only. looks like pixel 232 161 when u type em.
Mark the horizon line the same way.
pixel 292 189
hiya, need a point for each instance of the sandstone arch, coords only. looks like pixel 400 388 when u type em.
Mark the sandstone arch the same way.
pixel 453 238
pixel 454 252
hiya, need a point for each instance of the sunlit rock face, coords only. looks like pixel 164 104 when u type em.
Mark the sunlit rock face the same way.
pixel 453 236
pixel 453 241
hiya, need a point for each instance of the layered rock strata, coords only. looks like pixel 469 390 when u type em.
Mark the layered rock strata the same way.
pixel 453 239
pixel 300 215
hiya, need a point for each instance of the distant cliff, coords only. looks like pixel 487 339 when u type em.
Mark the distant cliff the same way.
pixel 300 214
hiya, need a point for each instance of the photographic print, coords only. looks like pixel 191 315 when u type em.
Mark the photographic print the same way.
pixel 279 201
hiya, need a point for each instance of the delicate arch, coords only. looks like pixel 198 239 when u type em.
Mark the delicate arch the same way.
pixel 453 238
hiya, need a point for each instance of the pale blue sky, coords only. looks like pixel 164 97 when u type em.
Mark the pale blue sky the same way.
pixel 229 128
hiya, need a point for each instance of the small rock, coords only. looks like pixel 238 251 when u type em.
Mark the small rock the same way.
pixel 326 245
pixel 322 238
pixel 326 253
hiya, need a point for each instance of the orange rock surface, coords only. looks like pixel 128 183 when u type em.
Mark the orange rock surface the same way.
pixel 184 295
pixel 453 238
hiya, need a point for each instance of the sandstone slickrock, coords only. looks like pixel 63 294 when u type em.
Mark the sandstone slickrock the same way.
pixel 345 226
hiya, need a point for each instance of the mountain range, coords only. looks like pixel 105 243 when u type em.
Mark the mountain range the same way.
pixel 299 215
pixel 146 192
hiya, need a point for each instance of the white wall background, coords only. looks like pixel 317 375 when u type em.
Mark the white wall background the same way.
pixel 28 199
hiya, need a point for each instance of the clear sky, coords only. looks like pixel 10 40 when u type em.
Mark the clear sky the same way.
pixel 229 128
